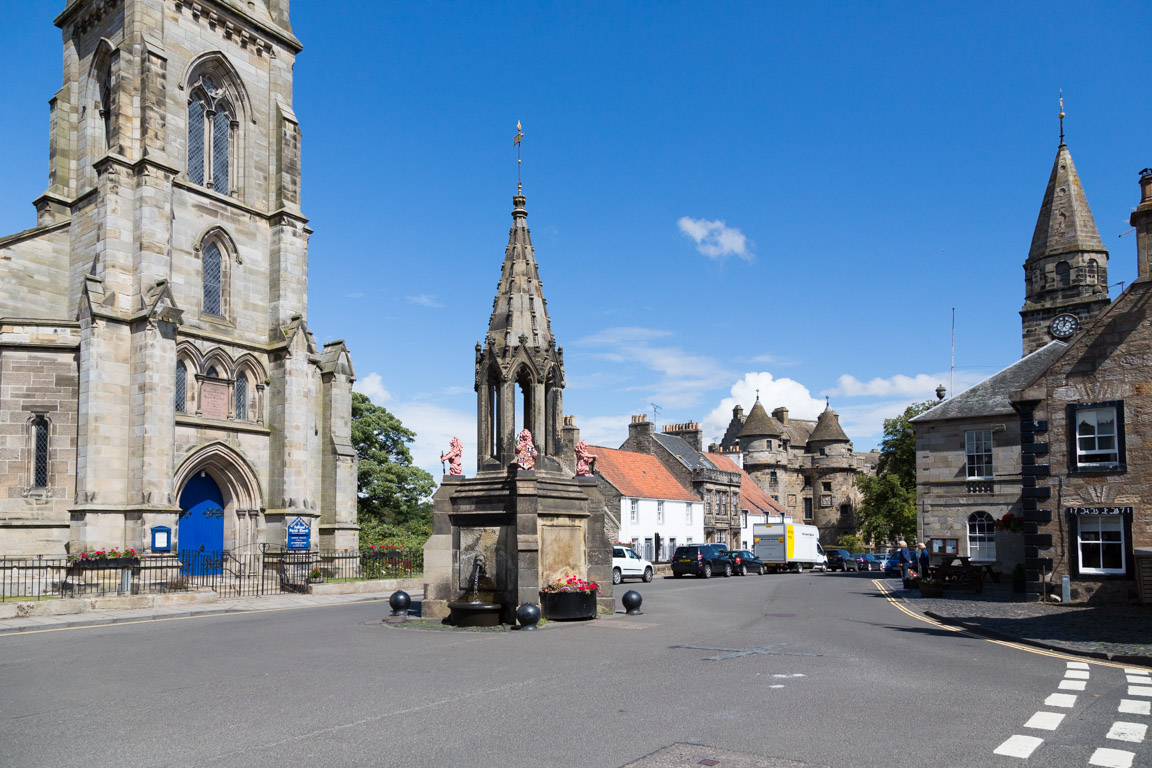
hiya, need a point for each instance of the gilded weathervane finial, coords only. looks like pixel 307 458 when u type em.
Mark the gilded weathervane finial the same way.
pixel 516 143
pixel 1061 115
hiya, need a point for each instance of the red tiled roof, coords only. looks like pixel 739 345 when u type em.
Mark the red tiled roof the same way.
pixel 752 496
pixel 639 475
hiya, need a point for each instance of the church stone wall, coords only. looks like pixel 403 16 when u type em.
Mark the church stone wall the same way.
pixel 33 267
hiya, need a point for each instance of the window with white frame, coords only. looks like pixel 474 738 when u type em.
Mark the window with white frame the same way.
pixel 659 513
pixel 1099 436
pixel 688 515
pixel 1100 544
pixel 634 511
pixel 981 536
pixel 708 502
pixel 978 450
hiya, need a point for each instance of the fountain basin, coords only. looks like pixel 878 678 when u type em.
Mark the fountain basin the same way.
pixel 464 613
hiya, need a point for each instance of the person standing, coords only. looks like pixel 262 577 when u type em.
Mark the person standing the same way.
pixel 925 560
pixel 907 560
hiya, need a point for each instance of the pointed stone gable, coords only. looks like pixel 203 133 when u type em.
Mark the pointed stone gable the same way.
pixel 1065 223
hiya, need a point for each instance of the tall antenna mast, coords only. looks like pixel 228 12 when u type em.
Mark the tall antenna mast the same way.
pixel 952 372
pixel 655 411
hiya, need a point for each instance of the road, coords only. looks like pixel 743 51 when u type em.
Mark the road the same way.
pixel 796 670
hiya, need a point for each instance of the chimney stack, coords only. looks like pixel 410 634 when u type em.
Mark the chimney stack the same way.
pixel 781 415
pixel 1141 219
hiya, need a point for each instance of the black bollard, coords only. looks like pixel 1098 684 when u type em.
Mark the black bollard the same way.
pixel 631 601
pixel 399 602
pixel 528 615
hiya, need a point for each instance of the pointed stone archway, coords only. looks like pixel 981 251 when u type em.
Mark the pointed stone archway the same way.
pixel 242 498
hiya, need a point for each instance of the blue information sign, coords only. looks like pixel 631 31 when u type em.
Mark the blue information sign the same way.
pixel 299 534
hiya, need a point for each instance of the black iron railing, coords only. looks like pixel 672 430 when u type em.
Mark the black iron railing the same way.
pixel 270 571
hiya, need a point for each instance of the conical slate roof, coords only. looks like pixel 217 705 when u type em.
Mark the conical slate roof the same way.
pixel 1065 222
pixel 828 429
pixel 519 311
pixel 760 424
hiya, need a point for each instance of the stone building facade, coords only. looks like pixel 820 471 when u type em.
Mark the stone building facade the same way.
pixel 970 468
pixel 156 366
pixel 1086 425
pixel 807 466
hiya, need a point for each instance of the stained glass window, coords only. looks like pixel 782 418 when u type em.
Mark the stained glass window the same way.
pixel 40 460
pixel 213 282
pixel 241 397
pixel 196 141
pixel 181 387
pixel 221 131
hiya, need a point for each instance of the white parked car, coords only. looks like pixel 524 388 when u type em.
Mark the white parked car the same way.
pixel 626 564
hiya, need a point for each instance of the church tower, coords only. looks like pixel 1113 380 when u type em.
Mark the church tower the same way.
pixel 1066 273
pixel 164 290
pixel 519 368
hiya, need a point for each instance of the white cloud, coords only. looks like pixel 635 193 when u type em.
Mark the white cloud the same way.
pixel 682 378
pixel 922 385
pixel 426 300
pixel 434 426
pixel 609 431
pixel 373 386
pixel 774 393
pixel 715 239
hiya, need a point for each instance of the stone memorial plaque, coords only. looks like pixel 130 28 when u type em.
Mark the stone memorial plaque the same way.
pixel 214 400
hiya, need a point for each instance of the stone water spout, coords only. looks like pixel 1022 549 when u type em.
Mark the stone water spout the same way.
pixel 479 568
pixel 472 609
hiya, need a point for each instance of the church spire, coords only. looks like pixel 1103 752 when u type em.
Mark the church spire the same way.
pixel 1066 272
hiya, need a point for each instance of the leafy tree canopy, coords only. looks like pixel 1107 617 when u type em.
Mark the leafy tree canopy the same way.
pixel 888 512
pixel 392 495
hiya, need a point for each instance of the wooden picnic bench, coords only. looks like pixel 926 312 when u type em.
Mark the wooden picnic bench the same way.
pixel 955 571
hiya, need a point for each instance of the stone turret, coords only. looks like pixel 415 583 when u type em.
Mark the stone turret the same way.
pixel 1066 272
pixel 518 353
pixel 827 433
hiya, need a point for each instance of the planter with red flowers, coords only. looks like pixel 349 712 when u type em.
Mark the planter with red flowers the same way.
pixel 569 598
pixel 106 558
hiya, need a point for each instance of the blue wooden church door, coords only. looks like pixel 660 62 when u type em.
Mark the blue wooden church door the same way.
pixel 200 533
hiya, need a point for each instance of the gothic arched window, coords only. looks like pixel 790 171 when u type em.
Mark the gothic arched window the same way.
pixel 241 397
pixel 181 395
pixel 1093 271
pixel 1063 274
pixel 213 277
pixel 40 452
pixel 211 129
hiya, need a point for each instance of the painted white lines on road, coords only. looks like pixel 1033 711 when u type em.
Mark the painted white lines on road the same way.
pixel 1140 690
pixel 1138 680
pixel 1076 674
pixel 1077 665
pixel 1134 732
pixel 1072 685
pixel 1111 758
pixel 1019 746
pixel 1045 721
pixel 1066 700
pixel 1134 707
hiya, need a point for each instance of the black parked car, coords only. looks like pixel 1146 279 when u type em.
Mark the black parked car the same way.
pixel 841 560
pixel 745 562
pixel 701 560
pixel 867 562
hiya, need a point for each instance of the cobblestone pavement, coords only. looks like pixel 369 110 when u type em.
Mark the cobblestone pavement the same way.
pixel 1115 632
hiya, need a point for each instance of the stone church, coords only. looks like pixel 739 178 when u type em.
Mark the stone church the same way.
pixel 156 366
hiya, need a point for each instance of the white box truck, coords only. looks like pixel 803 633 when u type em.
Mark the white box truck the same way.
pixel 788 546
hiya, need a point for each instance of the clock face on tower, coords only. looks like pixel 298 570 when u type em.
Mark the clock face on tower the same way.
pixel 1064 326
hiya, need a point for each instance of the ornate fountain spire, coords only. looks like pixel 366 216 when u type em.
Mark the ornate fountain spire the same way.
pixel 1061 117
pixel 519 356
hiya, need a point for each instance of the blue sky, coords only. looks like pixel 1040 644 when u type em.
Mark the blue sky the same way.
pixel 722 196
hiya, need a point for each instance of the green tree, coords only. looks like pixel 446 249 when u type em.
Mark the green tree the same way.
pixel 392 495
pixel 888 511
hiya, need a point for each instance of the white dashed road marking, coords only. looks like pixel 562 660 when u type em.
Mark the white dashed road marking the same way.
pixel 1065 700
pixel 1077 665
pixel 1076 674
pixel 1139 680
pixel 1140 690
pixel 1135 671
pixel 1047 721
pixel 1133 732
pixel 1111 758
pixel 1079 685
pixel 1019 746
pixel 1133 707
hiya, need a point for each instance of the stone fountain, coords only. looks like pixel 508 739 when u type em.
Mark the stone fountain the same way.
pixel 528 517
